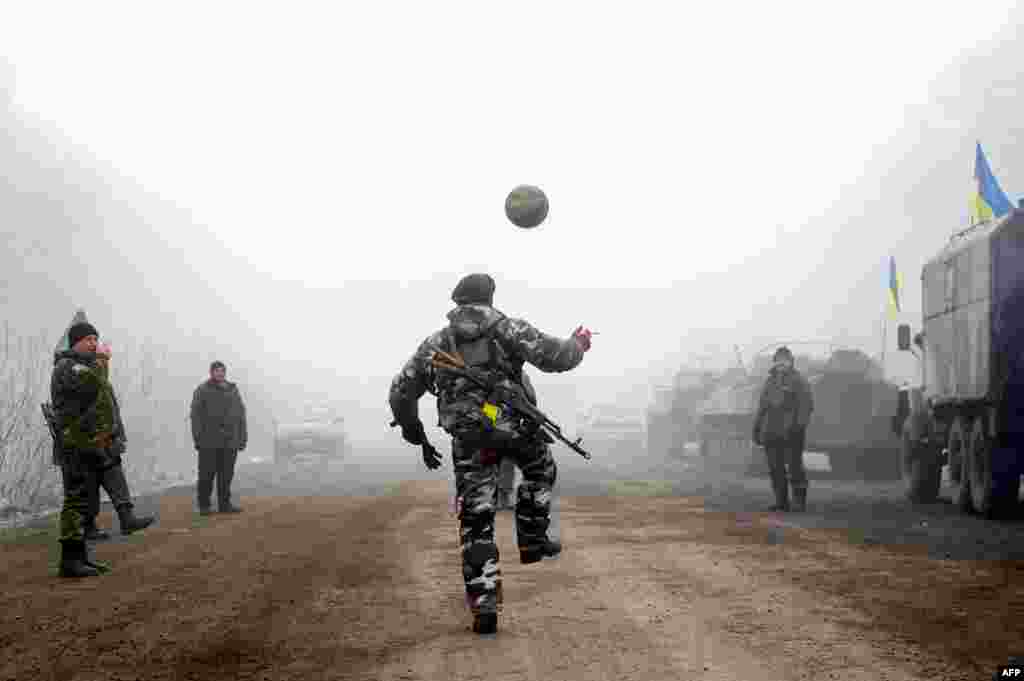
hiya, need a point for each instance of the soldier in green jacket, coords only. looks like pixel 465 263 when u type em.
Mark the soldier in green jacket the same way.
pixel 87 426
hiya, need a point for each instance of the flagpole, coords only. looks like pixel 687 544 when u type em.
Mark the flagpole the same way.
pixel 885 326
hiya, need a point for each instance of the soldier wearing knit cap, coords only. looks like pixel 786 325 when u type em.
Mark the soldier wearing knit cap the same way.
pixel 489 341
pixel 89 447
pixel 780 426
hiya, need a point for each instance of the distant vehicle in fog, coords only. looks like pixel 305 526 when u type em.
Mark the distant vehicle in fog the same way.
pixel 320 433
pixel 672 413
pixel 618 433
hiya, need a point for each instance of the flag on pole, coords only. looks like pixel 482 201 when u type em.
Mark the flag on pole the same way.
pixel 988 200
pixel 895 284
pixel 62 344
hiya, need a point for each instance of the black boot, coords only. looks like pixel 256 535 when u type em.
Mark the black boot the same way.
pixel 131 522
pixel 99 566
pixel 800 499
pixel 94 533
pixel 533 553
pixel 485 623
pixel 485 612
pixel 72 560
pixel 228 507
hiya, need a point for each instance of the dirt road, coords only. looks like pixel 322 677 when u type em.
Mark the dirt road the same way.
pixel 369 587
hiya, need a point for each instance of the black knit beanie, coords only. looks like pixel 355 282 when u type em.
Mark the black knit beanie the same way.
pixel 80 331
pixel 474 288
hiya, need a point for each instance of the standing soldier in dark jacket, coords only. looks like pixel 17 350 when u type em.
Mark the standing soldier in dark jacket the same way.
pixel 219 432
pixel 482 435
pixel 783 413
pixel 87 427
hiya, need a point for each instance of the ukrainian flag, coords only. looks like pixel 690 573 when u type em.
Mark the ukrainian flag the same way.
pixel 988 200
pixel 895 284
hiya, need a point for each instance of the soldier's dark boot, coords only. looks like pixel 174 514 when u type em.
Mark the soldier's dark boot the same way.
pixel 99 566
pixel 94 533
pixel 485 623
pixel 228 507
pixel 799 499
pixel 72 560
pixel 131 522
pixel 485 613
pixel 534 553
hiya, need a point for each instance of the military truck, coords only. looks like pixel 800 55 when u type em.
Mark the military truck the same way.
pixel 320 433
pixel 965 411
pixel 851 422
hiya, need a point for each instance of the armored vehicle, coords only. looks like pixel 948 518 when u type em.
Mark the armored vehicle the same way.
pixel 851 422
pixel 672 414
pixel 966 411
pixel 321 433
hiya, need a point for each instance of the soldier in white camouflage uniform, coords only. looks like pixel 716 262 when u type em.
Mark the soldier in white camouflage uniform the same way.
pixel 487 339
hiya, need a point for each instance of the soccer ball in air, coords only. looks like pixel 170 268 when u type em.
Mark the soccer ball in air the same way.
pixel 526 206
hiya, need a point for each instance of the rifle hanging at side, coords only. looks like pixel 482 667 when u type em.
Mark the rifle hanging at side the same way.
pixel 510 398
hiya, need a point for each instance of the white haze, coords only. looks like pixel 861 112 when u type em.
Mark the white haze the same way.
pixel 295 188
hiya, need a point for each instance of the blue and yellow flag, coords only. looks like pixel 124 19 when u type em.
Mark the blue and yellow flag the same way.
pixel 895 284
pixel 988 200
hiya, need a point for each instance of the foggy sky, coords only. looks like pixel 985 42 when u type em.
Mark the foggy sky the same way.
pixel 297 192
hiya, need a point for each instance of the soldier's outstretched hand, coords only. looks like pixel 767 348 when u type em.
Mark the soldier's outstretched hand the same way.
pixel 582 336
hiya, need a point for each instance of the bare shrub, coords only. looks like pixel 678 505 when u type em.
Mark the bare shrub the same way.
pixel 27 477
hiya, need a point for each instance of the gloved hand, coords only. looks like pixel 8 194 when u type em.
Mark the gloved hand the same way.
pixel 431 457
pixel 582 336
pixel 413 433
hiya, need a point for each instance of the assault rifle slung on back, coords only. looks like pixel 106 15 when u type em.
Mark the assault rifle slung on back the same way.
pixel 509 398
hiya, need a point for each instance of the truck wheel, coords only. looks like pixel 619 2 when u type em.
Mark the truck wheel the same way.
pixel 922 471
pixel 993 490
pixel 959 465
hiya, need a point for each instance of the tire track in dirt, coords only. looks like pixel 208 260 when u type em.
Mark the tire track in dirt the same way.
pixel 746 625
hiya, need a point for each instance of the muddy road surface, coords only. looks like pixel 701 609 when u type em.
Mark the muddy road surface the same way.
pixel 340 573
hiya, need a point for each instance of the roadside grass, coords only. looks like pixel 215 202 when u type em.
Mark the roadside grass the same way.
pixel 391 489
pixel 640 488
pixel 37 533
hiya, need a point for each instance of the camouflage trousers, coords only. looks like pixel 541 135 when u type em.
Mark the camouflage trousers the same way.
pixel 80 468
pixel 476 479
